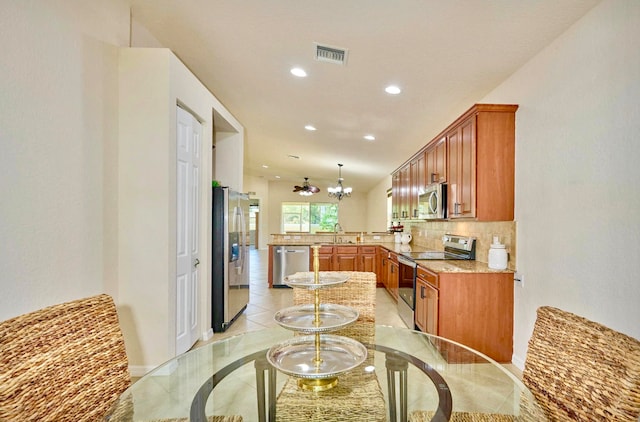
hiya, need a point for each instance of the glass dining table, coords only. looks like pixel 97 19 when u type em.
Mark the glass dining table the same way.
pixel 421 377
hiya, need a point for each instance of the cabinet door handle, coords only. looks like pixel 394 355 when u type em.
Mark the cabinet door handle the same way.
pixel 421 292
pixel 434 177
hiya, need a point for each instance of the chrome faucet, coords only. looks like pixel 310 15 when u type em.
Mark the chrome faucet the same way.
pixel 337 228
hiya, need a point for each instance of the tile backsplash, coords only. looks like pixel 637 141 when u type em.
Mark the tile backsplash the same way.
pixel 429 235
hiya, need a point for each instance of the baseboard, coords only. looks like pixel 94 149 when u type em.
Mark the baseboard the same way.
pixel 207 334
pixel 138 371
pixel 518 362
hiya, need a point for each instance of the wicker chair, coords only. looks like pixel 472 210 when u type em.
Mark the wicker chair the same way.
pixel 577 370
pixel 63 363
pixel 358 396
pixel 581 370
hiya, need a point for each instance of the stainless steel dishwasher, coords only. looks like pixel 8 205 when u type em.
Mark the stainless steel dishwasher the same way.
pixel 288 260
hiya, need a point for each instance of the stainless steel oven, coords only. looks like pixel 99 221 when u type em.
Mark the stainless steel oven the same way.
pixel 407 271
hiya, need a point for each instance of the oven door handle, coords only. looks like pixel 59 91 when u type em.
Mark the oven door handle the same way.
pixel 406 262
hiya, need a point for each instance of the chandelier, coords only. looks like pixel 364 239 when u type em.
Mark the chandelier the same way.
pixel 306 189
pixel 339 191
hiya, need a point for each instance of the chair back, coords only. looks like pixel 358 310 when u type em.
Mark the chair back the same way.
pixel 63 363
pixel 581 370
pixel 359 292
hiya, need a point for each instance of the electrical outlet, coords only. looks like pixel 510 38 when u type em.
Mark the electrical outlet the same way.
pixel 519 279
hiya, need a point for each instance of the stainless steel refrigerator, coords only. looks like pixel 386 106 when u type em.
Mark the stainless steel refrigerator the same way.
pixel 230 257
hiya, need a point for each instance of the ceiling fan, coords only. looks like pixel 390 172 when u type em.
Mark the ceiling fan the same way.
pixel 306 189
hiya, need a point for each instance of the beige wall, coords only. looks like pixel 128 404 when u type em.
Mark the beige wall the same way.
pixel 352 212
pixel 261 188
pixel 154 80
pixel 363 211
pixel 377 206
pixel 577 172
pixel 58 129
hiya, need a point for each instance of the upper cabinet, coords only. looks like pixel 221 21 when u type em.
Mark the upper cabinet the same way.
pixel 436 161
pixel 416 182
pixel 475 157
pixel 481 163
pixel 461 189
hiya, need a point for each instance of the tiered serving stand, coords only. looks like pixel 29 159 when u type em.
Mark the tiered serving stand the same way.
pixel 316 358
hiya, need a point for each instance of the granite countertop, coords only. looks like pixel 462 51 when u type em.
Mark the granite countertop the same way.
pixel 438 266
pixel 459 267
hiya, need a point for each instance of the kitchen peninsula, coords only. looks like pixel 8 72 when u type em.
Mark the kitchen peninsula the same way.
pixel 464 300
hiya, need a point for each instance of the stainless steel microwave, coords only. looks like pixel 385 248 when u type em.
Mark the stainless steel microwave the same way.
pixel 432 203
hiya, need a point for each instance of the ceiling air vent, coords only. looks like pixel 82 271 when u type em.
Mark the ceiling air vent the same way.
pixel 335 55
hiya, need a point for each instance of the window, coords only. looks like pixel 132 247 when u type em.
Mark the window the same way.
pixel 309 217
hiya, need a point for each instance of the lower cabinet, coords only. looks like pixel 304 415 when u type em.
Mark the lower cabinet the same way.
pixel 367 258
pixel 475 309
pixel 347 258
pixel 325 258
pixel 426 296
pixel 381 273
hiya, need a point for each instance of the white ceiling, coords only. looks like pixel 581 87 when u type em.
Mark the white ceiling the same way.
pixel 444 54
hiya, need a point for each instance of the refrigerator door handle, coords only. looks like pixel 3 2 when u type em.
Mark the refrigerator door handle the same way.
pixel 243 239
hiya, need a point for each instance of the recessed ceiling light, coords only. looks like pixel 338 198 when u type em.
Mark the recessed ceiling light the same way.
pixel 299 72
pixel 310 127
pixel 264 166
pixel 393 89
pixel 369 137
pixel 277 177
pixel 295 157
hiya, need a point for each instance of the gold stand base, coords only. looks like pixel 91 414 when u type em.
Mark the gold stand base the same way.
pixel 317 384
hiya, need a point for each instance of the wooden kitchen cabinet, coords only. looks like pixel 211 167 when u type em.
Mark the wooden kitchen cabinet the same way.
pixel 436 162
pixel 462 178
pixel 475 156
pixel 426 308
pixel 367 258
pixel 405 190
pixel 481 163
pixel 401 193
pixel 475 309
pixel 345 258
pixel 418 167
pixel 381 273
pixel 395 195
pixel 325 258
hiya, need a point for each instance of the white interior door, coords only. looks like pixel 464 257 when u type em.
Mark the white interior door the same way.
pixel 189 141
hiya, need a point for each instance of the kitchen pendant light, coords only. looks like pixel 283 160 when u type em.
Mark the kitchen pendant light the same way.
pixel 306 189
pixel 339 191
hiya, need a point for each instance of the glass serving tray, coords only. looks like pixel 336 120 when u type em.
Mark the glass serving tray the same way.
pixel 302 317
pixel 307 280
pixel 296 356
